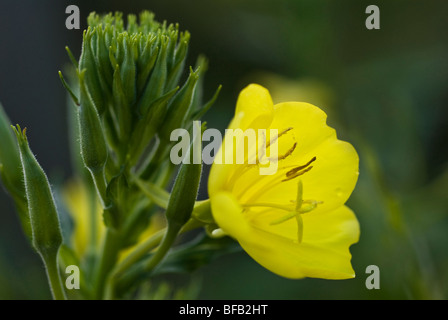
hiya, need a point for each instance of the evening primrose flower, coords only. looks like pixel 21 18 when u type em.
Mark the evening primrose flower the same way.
pixel 294 221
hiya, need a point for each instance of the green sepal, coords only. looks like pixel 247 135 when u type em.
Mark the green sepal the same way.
pixel 178 64
pixel 70 90
pixel 128 68
pixel 104 67
pixel 121 106
pixel 203 212
pixel 156 84
pixel 146 62
pixel 201 112
pixel 179 107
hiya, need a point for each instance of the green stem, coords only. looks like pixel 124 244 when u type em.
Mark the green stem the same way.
pixel 139 252
pixel 92 247
pixel 54 278
pixel 93 221
pixel 167 242
pixel 164 237
pixel 111 247
pixel 143 248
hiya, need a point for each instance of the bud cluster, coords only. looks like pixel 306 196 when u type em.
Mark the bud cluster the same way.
pixel 130 95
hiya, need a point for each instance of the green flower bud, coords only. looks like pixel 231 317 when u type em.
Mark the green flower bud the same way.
pixel 47 237
pixel 11 172
pixel 94 150
pixel 185 188
pixel 44 220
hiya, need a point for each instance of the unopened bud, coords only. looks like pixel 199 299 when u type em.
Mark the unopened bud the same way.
pixel 185 189
pixel 93 144
pixel 11 172
pixel 44 220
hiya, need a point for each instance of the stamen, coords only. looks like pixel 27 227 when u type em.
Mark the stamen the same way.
pixel 293 171
pixel 278 136
pixel 277 179
pixel 298 174
pixel 243 168
pixel 287 154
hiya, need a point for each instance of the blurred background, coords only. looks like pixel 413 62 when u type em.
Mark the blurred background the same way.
pixel 385 91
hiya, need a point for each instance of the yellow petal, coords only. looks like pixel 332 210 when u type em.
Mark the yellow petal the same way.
pixel 324 252
pixel 256 104
pixel 228 214
pixel 254 110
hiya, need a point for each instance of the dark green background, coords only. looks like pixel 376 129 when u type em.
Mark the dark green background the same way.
pixel 386 94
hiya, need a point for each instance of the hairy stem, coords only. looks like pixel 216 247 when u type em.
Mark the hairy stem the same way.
pixel 54 278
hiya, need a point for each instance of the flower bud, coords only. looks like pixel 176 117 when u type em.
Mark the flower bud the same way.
pixel 11 172
pixel 44 220
pixel 185 189
pixel 93 144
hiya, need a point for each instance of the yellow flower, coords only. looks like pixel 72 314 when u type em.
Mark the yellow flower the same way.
pixel 77 200
pixel 293 222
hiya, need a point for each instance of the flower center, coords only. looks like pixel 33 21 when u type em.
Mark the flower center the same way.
pixel 301 207
pixel 266 183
